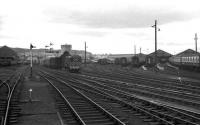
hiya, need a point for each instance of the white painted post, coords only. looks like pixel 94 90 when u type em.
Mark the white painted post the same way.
pixel 30 96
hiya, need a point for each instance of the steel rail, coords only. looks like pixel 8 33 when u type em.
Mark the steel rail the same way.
pixel 178 99
pixel 111 97
pixel 152 111
pixel 68 103
pixel 91 101
pixel 188 116
pixel 9 99
pixel 171 116
pixel 142 109
pixel 140 79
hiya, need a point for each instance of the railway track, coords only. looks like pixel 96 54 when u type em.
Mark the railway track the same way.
pixel 176 94
pixel 77 108
pixel 144 74
pixel 165 87
pixel 9 95
pixel 9 101
pixel 165 114
pixel 157 109
pixel 6 73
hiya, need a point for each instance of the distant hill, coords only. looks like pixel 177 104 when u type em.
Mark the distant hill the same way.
pixel 20 50
pixel 25 51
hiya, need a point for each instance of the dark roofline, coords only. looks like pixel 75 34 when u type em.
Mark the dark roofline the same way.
pixel 186 51
pixel 159 50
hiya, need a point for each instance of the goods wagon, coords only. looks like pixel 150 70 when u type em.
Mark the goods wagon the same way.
pixel 104 61
pixel 123 61
pixel 117 61
pixel 138 60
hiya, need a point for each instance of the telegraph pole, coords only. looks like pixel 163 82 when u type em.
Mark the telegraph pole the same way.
pixel 155 41
pixel 196 38
pixel 85 53
pixel 156 28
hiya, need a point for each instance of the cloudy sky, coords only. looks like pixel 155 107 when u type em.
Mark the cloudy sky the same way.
pixel 108 26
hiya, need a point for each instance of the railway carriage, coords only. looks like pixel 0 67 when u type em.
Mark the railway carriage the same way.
pixel 117 61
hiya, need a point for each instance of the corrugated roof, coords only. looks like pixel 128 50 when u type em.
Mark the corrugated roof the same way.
pixel 7 52
pixel 160 53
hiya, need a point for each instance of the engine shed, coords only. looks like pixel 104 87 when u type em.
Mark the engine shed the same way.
pixel 162 57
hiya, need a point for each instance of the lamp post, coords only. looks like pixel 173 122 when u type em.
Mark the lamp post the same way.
pixel 30 94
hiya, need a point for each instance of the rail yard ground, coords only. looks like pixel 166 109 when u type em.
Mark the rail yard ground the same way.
pixel 100 95
pixel 40 108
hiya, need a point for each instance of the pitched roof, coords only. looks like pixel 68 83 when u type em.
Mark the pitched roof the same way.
pixel 187 52
pixel 160 53
pixel 120 55
pixel 7 52
pixel 140 55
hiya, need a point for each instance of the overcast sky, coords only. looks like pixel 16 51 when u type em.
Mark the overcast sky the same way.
pixel 108 26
